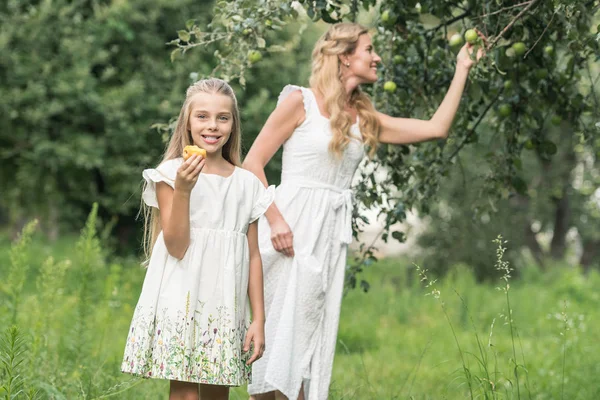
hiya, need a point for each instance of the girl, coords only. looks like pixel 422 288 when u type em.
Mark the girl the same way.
pixel 191 324
pixel 304 237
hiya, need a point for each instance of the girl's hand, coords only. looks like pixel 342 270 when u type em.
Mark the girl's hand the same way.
pixel 256 335
pixel 282 237
pixel 188 172
pixel 463 57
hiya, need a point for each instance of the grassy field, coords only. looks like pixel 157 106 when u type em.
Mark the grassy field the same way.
pixel 402 340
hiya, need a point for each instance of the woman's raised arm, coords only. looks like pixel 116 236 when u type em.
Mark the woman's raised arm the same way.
pixel 396 130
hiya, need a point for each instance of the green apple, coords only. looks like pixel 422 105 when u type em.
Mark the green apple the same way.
pixel 388 18
pixel 456 40
pixel 504 110
pixel 390 86
pixel 529 144
pixel 254 56
pixel 519 48
pixel 471 36
pixel 399 59
pixel 549 50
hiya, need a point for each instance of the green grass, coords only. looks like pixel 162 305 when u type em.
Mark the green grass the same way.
pixel 395 342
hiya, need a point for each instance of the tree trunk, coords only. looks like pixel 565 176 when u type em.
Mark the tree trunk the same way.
pixel 591 248
pixel 534 246
pixel 53 224
pixel 562 213
pixel 562 216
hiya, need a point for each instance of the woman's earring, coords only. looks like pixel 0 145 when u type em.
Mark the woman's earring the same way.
pixel 347 64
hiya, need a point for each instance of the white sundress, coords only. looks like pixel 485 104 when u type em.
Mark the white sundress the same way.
pixel 192 315
pixel 303 294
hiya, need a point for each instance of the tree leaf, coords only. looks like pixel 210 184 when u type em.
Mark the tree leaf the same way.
pixel 548 147
pixel 399 236
pixel 174 54
pixel 519 185
pixel 183 35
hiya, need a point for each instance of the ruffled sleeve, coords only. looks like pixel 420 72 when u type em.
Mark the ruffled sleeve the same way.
pixel 288 89
pixel 166 172
pixel 263 198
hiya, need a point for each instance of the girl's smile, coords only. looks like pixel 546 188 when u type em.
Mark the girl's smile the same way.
pixel 211 139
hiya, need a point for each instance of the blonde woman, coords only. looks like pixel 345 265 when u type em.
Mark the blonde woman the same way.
pixel 304 235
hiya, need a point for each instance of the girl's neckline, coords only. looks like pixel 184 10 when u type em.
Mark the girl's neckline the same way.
pixel 221 176
pixel 235 168
pixel 314 96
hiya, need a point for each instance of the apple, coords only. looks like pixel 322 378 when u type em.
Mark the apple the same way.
pixel 390 86
pixel 519 48
pixel 504 110
pixel 471 36
pixel 254 56
pixel 399 59
pixel 529 144
pixel 456 40
pixel 388 18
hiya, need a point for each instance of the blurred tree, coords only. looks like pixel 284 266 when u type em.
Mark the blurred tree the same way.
pixel 81 83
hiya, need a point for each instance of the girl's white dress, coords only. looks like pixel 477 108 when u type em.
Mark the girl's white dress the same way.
pixel 192 316
pixel 303 294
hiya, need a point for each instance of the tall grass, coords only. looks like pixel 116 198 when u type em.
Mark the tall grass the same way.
pixel 19 261
pixel 394 329
pixel 66 308
pixel 13 352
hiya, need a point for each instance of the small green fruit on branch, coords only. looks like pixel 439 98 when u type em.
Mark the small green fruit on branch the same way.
pixel 495 40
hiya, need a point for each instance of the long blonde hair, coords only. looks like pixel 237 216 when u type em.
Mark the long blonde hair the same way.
pixel 326 74
pixel 182 137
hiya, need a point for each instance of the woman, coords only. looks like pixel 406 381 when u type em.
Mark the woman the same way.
pixel 304 235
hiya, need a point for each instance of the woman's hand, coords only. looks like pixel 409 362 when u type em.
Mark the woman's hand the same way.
pixel 282 237
pixel 255 335
pixel 188 172
pixel 464 56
